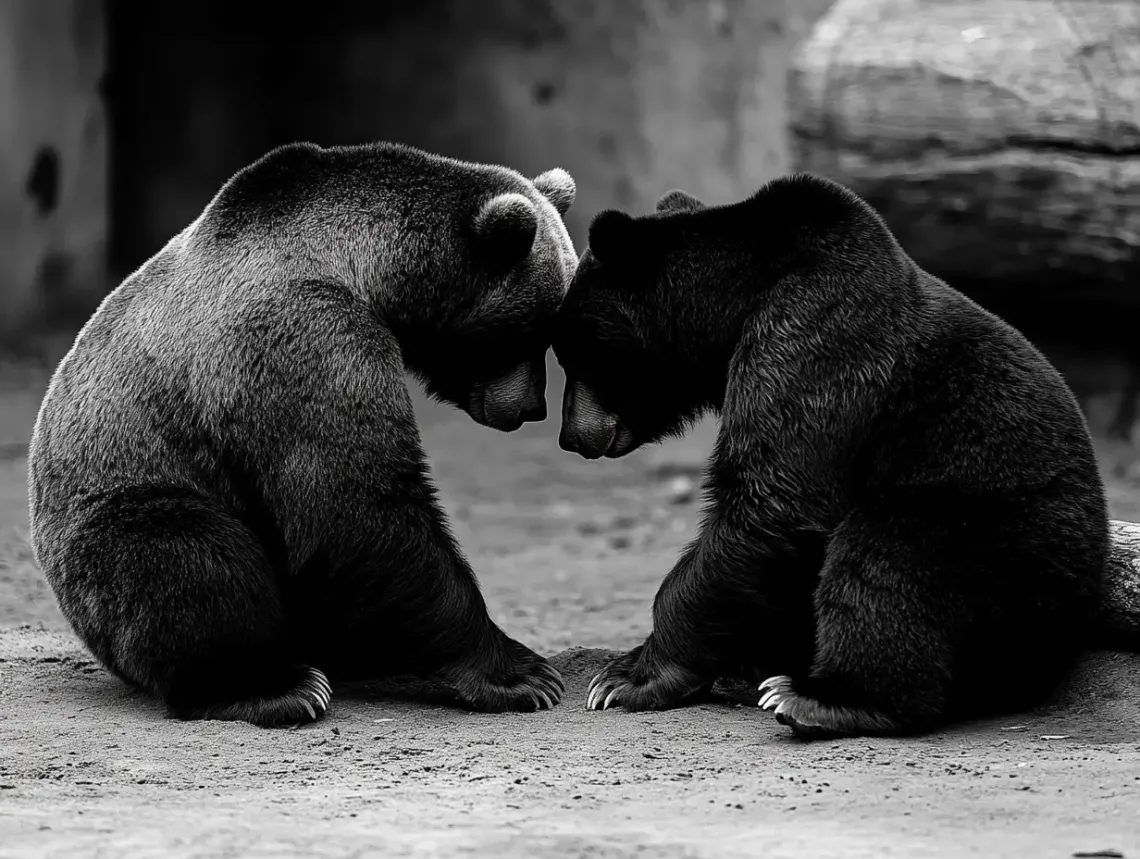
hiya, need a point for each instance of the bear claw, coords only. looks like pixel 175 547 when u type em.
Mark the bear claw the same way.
pixel 804 716
pixel 550 672
pixel 774 690
pixel 317 686
pixel 628 683
pixel 314 694
pixel 600 694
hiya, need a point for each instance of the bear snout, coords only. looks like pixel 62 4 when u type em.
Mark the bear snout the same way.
pixel 515 398
pixel 587 429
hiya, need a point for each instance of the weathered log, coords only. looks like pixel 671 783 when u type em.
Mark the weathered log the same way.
pixel 1122 587
pixel 1000 139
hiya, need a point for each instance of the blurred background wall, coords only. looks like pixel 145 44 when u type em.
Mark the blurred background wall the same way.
pixel 54 177
pixel 631 97
pixel 1000 138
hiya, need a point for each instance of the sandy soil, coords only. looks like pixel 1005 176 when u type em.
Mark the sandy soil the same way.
pixel 570 554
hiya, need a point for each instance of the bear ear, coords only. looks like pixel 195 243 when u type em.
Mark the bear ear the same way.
pixel 558 187
pixel 505 227
pixel 678 201
pixel 611 235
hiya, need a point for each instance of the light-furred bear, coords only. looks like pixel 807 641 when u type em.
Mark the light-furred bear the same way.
pixel 228 492
pixel 904 521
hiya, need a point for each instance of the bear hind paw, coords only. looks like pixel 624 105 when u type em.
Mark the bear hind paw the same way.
pixel 811 719
pixel 306 702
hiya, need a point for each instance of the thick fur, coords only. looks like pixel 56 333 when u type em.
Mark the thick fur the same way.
pixel 228 491
pixel 904 524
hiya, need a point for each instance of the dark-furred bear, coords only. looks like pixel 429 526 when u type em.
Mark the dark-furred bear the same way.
pixel 228 492
pixel 905 524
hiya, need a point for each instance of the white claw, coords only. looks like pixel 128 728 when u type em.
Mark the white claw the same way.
pixel 597 695
pixel 770 698
pixel 775 682
pixel 609 698
pixel 312 712
pixel 546 698
pixel 551 672
pixel 316 696
pixel 785 706
pixel 318 684
pixel 597 677
pixel 591 698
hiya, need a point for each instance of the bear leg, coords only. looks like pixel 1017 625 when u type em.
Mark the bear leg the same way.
pixel 892 605
pixel 727 608
pixel 502 675
pixel 408 602
pixel 176 596
pixel 927 613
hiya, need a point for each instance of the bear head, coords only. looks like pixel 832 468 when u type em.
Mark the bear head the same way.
pixel 630 378
pixel 651 323
pixel 477 331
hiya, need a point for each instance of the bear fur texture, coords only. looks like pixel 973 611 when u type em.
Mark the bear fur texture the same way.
pixel 904 521
pixel 228 491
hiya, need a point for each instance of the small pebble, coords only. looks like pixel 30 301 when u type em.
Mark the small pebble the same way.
pixel 682 490
pixel 562 509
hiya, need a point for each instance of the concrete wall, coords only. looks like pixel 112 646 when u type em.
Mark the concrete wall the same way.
pixel 53 160
pixel 633 97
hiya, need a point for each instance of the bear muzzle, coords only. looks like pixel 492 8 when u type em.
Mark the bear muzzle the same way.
pixel 513 399
pixel 589 430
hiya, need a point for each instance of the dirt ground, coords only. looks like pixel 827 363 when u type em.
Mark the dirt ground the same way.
pixel 570 554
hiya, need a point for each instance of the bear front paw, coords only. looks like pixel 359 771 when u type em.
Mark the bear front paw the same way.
pixel 512 677
pixel 636 682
